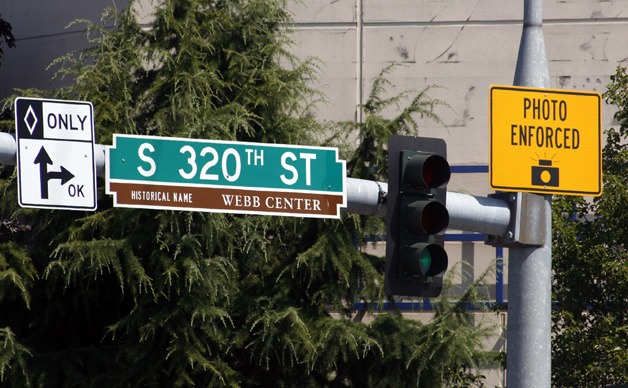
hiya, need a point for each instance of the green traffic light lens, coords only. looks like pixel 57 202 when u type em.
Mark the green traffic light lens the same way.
pixel 422 260
pixel 425 261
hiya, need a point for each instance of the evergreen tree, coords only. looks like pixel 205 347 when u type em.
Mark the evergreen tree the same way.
pixel 590 333
pixel 132 297
pixel 6 36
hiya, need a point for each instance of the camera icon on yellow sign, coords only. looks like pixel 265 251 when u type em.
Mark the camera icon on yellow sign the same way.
pixel 544 174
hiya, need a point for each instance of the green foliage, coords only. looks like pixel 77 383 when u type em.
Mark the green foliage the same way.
pixel 13 358
pixel 132 297
pixel 369 160
pixel 446 351
pixel 591 268
pixel 6 36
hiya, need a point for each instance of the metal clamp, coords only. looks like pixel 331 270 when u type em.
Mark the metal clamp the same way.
pixel 527 223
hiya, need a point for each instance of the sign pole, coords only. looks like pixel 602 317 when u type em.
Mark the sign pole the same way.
pixel 529 267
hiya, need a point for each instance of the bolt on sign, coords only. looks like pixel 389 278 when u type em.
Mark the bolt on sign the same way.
pixel 225 177
pixel 545 141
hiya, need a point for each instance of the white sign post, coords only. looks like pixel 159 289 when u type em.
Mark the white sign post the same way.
pixel 55 154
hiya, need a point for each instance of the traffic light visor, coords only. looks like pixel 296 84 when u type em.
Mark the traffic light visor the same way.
pixel 426 171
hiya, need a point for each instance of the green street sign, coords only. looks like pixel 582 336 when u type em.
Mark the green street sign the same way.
pixel 223 176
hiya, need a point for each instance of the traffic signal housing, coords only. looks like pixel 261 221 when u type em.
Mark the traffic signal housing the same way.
pixel 417 216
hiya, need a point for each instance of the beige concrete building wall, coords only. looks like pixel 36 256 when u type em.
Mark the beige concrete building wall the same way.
pixel 462 47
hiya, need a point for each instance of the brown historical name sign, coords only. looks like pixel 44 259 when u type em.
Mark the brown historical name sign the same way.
pixel 225 200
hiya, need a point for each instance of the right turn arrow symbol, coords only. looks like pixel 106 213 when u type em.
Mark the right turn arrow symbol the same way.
pixel 43 159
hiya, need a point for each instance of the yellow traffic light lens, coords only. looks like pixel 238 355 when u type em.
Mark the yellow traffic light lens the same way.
pixel 424 216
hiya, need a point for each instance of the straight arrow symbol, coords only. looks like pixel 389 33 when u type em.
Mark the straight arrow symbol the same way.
pixel 43 159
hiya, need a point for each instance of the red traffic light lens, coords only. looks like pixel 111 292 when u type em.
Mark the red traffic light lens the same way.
pixel 436 171
pixel 426 171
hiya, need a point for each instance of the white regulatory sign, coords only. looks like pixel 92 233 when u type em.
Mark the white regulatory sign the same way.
pixel 55 154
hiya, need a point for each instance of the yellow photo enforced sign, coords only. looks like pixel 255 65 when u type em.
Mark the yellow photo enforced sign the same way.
pixel 545 141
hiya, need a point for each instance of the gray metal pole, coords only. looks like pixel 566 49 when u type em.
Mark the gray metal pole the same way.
pixel 8 148
pixel 529 267
pixel 8 153
pixel 532 67
pixel 490 216
pixel 471 213
pixel 366 197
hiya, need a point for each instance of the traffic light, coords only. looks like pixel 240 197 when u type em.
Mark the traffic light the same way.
pixel 416 215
